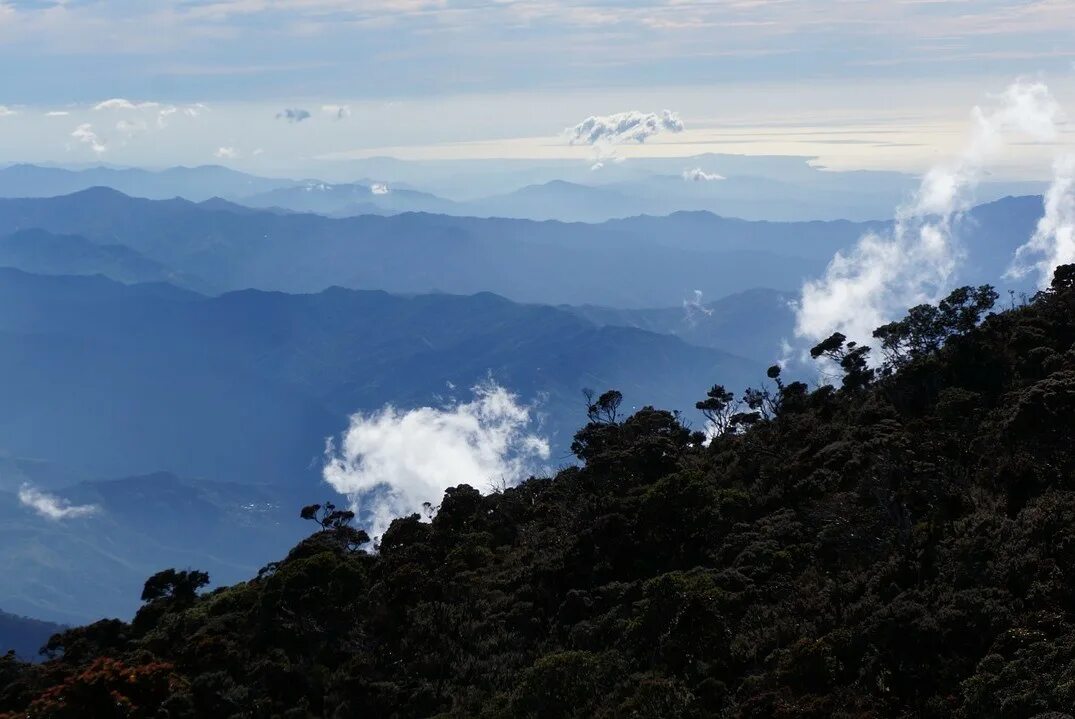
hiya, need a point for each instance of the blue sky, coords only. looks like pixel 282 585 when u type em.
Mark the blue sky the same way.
pixel 492 77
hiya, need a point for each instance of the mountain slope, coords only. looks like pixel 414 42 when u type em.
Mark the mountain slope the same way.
pixel 41 252
pixel 133 379
pixel 23 635
pixel 898 547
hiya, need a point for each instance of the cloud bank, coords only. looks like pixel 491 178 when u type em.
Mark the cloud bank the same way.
pixel 390 462
pixel 1053 242
pixel 293 114
pixel 623 127
pixel 885 273
pixel 52 507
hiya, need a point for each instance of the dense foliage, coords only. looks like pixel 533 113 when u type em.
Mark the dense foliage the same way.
pixel 901 546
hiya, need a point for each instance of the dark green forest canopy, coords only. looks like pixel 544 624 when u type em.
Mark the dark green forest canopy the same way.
pixel 903 546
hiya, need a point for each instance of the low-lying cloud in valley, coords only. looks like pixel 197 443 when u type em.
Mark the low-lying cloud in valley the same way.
pixel 390 462
pixel 51 507
pixel 697 174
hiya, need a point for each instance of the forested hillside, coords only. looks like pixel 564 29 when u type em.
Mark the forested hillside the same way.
pixel 902 545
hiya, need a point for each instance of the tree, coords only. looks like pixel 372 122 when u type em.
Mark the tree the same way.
pixel 336 522
pixel 926 327
pixel 718 408
pixel 605 409
pixel 851 357
pixel 180 587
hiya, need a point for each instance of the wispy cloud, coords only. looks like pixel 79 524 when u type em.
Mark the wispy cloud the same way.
pixel 1053 242
pixel 6 111
pixel 887 272
pixel 227 153
pixel 51 507
pixel 119 103
pixel 84 133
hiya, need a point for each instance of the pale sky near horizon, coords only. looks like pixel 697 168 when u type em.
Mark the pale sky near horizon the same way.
pixel 874 85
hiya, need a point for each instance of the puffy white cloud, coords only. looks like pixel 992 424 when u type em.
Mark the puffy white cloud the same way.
pixel 379 188
pixel 697 174
pixel 885 273
pixel 227 153
pixel 338 112
pixel 84 133
pixel 293 114
pixel 390 462
pixel 1053 242
pixel 623 127
pixel 6 111
pixel 52 507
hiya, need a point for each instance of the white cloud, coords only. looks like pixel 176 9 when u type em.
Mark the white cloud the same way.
pixel 693 307
pixel 885 273
pixel 6 111
pixel 84 133
pixel 227 153
pixel 697 174
pixel 379 188
pixel 119 103
pixel 130 128
pixel 338 112
pixel 1053 242
pixel 52 507
pixel 623 127
pixel 293 114
pixel 390 462
pixel 57 113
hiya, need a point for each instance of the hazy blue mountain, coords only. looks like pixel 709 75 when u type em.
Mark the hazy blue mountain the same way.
pixel 42 252
pixel 751 324
pixel 192 183
pixel 105 379
pixel 566 201
pixel 350 199
pixel 23 635
pixel 545 262
pixel 112 379
pixel 81 569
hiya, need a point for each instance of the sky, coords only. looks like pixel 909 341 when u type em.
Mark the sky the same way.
pixel 286 85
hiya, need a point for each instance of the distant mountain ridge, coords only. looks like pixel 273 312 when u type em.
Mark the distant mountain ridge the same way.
pixel 543 262
pixel 24 636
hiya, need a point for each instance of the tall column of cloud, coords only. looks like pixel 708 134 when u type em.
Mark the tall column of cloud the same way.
pixel 390 462
pixel 885 273
pixel 1053 242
